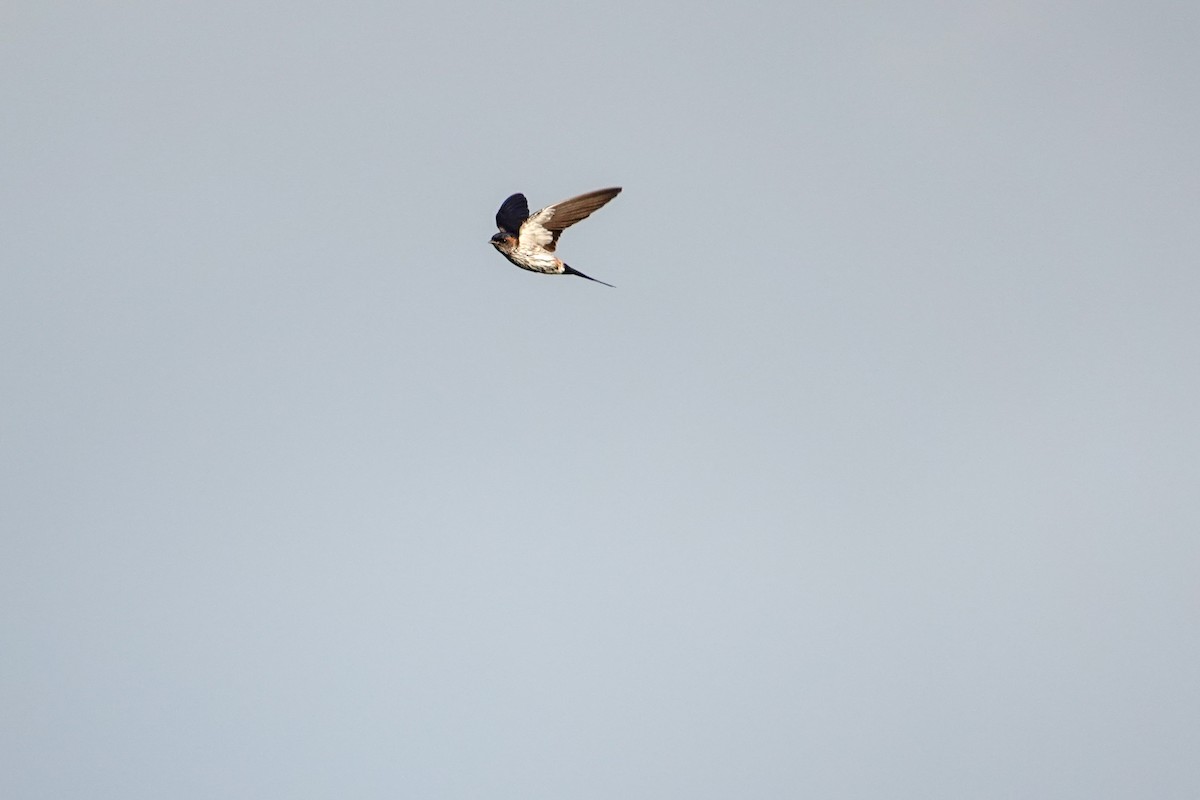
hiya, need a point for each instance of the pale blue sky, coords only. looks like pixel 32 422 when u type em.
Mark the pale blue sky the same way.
pixel 875 476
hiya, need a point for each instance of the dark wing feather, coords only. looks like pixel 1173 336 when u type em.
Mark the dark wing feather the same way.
pixel 568 212
pixel 512 213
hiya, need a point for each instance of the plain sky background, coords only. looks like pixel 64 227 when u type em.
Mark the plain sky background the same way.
pixel 877 475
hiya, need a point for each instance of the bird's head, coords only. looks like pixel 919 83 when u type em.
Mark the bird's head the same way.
pixel 503 242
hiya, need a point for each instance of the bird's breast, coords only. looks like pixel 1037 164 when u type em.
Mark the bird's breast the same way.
pixel 536 261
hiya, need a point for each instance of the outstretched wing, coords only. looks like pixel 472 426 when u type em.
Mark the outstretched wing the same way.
pixel 512 213
pixel 544 227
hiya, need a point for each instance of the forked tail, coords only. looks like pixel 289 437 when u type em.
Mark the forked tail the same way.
pixel 569 270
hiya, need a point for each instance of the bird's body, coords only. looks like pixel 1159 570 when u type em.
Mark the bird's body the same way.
pixel 529 240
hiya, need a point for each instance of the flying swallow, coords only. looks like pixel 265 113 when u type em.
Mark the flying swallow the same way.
pixel 529 240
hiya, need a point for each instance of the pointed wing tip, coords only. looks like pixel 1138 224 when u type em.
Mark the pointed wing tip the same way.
pixel 607 194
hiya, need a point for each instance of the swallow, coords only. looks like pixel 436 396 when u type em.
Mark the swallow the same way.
pixel 529 240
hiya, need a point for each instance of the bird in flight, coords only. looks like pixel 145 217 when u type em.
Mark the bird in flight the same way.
pixel 529 240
